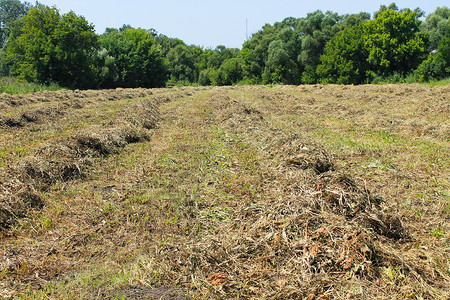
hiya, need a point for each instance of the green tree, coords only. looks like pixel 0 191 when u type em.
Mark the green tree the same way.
pixel 254 52
pixel 345 58
pixel 166 43
pixel 435 26
pixel 282 65
pixel 230 72
pixel 316 30
pixel 135 60
pixel 46 47
pixel 182 66
pixel 437 65
pixel 10 11
pixel 393 42
pixel 107 71
pixel 206 77
pixel 201 56
pixel 220 55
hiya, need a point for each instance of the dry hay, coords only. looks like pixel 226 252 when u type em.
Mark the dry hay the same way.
pixel 68 159
pixel 312 230
pixel 141 292
pixel 67 95
pixel 319 230
pixel 43 173
pixel 303 155
pixel 232 113
pixel 16 200
pixel 48 113
pixel 144 114
pixel 100 142
pixel 10 121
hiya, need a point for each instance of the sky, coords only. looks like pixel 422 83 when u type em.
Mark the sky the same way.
pixel 212 23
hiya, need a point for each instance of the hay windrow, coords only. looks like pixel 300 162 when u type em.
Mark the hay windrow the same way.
pixel 337 221
pixel 49 113
pixel 71 158
pixel 16 199
pixel 252 192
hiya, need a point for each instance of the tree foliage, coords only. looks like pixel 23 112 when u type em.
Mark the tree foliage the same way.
pixel 182 66
pixel 131 59
pixel 47 47
pixel 316 30
pixel 393 42
pixel 437 65
pixel 435 26
pixel 325 47
pixel 345 58
pixel 10 11
pixel 282 65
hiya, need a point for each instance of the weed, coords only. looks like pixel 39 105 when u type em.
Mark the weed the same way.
pixel 438 232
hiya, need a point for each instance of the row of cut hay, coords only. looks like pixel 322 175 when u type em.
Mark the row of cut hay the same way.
pixel 16 200
pixel 7 100
pixel 135 114
pixel 314 232
pixel 40 115
pixel 407 104
pixel 71 158
pixel 66 95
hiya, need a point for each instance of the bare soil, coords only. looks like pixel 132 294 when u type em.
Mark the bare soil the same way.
pixel 246 192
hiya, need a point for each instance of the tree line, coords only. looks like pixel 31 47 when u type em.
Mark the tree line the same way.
pixel 39 44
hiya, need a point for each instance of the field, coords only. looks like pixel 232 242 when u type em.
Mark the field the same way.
pixel 245 192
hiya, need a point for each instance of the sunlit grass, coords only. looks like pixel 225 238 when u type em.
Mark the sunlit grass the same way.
pixel 12 85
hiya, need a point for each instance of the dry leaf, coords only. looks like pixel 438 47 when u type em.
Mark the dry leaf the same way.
pixel 216 279
pixel 314 250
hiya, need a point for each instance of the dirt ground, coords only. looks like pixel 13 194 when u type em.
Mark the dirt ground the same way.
pixel 244 192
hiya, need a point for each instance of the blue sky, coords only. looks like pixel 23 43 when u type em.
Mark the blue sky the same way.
pixel 211 23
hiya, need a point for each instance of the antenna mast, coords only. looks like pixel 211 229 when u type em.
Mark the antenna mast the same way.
pixel 246 29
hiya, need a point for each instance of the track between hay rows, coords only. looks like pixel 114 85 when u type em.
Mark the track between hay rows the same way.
pixel 284 192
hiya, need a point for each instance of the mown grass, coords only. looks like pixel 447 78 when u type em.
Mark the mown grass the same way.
pixel 12 85
pixel 210 191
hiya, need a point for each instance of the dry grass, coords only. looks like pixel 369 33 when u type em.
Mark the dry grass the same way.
pixel 285 192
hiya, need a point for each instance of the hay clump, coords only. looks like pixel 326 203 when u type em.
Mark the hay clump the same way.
pixel 145 114
pixel 301 154
pixel 11 121
pixel 100 142
pixel 43 173
pixel 15 201
pixel 42 114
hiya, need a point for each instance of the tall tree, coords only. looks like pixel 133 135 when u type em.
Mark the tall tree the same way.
pixel 135 57
pixel 316 30
pixel 437 65
pixel 10 10
pixel 166 43
pixel 254 52
pixel 394 42
pixel 46 47
pixel 282 65
pixel 435 26
pixel 345 58
pixel 182 66
pixel 230 72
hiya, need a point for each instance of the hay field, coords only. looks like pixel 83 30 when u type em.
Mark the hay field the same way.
pixel 245 192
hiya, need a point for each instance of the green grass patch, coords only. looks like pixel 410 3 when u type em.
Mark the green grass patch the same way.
pixel 12 85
